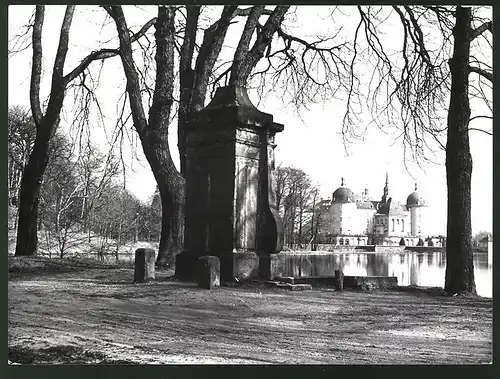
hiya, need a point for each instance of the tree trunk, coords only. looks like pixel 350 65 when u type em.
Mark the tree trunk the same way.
pixel 27 226
pixel 186 81
pixel 172 194
pixel 27 238
pixel 459 258
pixel 117 254
pixel 153 133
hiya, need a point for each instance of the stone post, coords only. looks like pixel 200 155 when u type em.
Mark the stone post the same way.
pixel 208 272
pixel 339 280
pixel 230 209
pixel 144 265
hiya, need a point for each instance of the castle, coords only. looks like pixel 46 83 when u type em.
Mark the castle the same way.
pixel 350 219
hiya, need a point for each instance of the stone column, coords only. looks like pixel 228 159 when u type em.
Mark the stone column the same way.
pixel 230 209
pixel 144 270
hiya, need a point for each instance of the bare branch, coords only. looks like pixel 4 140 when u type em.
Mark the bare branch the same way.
pixel 481 130
pixel 22 40
pixel 481 29
pixel 62 49
pixel 105 53
pixel 475 117
pixel 485 74
pixel 94 56
pixel 244 43
pixel 143 30
pixel 36 69
pixel 247 11
pixel 208 54
pixel 133 87
pixel 261 43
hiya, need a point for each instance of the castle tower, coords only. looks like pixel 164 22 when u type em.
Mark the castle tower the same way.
pixel 342 209
pixel 415 204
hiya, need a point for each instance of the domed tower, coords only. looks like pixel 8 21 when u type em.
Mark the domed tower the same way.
pixel 344 206
pixel 342 194
pixel 414 204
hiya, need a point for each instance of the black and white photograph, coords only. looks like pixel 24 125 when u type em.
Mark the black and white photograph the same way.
pixel 250 184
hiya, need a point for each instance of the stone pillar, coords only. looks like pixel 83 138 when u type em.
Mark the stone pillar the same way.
pixel 230 207
pixel 339 280
pixel 208 272
pixel 144 265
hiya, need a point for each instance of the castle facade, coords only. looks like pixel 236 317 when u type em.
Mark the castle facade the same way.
pixel 357 219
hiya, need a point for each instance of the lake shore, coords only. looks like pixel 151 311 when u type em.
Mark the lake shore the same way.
pixel 89 312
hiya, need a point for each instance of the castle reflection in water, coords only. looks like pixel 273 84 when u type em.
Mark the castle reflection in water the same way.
pixel 412 268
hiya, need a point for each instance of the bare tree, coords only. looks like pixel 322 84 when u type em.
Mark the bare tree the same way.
pixel 459 257
pixel 297 206
pixel 415 95
pixel 153 131
pixel 46 121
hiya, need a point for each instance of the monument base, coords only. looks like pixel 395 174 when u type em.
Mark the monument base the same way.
pixel 208 272
pixel 239 265
pixel 265 267
pixel 186 266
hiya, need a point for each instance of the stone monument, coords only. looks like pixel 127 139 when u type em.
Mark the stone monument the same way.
pixel 144 265
pixel 230 207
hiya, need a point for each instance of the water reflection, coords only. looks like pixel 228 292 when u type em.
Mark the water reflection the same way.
pixel 411 268
pixel 421 269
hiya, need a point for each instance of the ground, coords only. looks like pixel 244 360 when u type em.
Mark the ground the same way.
pixel 84 311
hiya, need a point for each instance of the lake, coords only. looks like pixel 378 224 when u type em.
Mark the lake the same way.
pixel 412 268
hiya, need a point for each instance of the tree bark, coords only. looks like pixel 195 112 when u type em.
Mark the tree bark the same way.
pixel 186 80
pixel 153 133
pixel 246 61
pixel 459 257
pixel 27 227
pixel 46 124
pixel 27 238
pixel 194 81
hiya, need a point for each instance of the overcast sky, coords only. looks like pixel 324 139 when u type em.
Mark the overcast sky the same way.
pixel 312 142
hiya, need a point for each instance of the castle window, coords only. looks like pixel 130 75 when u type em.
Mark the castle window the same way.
pixel 392 224
pixel 341 241
pixel 402 225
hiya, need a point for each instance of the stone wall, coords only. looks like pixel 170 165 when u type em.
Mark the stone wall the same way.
pixel 399 225
pixel 389 249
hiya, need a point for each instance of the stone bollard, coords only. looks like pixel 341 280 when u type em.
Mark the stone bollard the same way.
pixel 208 272
pixel 339 280
pixel 144 265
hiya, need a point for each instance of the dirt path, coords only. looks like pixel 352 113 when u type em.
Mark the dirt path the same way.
pixel 96 315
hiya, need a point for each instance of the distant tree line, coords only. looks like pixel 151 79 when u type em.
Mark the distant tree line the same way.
pixel 298 203
pixel 81 196
pixel 479 236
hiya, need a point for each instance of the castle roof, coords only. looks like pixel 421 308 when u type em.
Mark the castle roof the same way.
pixel 343 194
pixel 412 199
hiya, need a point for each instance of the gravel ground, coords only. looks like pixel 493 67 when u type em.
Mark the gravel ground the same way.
pixel 83 311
